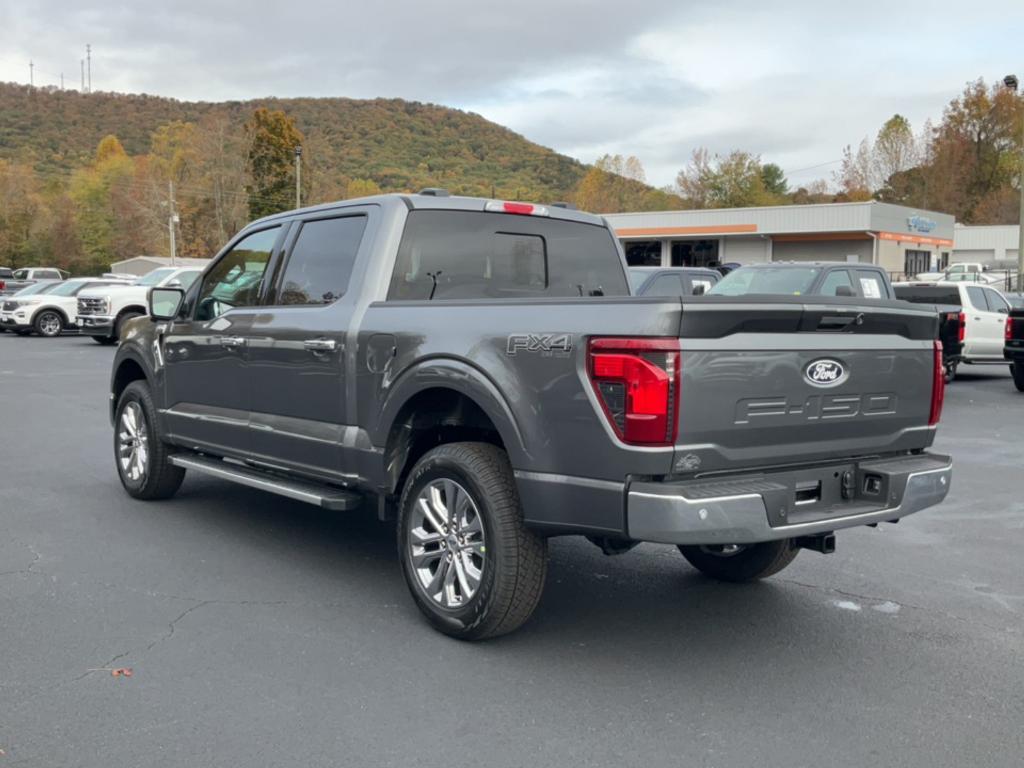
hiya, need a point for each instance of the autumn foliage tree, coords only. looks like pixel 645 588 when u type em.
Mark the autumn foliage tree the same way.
pixel 273 138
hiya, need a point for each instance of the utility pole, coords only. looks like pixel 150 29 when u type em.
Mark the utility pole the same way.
pixel 31 74
pixel 88 64
pixel 83 75
pixel 172 218
pixel 62 81
pixel 1011 82
pixel 298 176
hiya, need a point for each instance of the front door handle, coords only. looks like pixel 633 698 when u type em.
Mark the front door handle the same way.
pixel 232 341
pixel 320 345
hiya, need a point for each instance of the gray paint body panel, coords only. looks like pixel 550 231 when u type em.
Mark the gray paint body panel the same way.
pixel 328 417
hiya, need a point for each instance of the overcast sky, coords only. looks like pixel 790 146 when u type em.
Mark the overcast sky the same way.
pixel 793 83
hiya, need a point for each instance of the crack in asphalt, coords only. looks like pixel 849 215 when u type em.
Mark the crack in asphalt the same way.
pixel 36 557
pixel 170 633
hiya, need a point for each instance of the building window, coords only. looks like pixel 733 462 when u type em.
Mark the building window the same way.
pixel 643 253
pixel 694 253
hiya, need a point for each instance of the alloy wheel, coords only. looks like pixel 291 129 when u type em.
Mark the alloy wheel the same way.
pixel 133 443
pixel 446 543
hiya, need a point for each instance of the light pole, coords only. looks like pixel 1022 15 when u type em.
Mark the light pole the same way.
pixel 298 175
pixel 1011 82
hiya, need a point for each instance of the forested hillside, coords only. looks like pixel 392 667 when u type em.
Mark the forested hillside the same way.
pixel 397 144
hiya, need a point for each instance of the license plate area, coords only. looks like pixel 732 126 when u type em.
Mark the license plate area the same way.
pixel 820 493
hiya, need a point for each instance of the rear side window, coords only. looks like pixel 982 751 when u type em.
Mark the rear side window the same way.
pixel 977 298
pixel 471 255
pixel 995 301
pixel 871 284
pixel 46 274
pixel 321 260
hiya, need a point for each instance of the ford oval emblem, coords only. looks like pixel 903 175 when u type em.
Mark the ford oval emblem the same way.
pixel 825 373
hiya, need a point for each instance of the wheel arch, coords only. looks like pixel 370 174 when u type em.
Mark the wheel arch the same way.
pixel 128 369
pixel 439 402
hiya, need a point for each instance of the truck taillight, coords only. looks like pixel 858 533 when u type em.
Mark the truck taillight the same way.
pixel 961 327
pixel 637 383
pixel 938 386
pixel 1007 332
pixel 2 285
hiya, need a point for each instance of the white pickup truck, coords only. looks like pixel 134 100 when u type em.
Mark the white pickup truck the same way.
pixel 102 312
pixel 961 271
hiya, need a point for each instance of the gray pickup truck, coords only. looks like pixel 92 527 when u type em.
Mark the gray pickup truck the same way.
pixel 476 371
pixel 22 278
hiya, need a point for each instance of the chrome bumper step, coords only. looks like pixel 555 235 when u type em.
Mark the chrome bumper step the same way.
pixel 324 496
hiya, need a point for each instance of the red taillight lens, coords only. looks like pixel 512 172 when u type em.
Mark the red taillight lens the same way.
pixel 637 383
pixel 962 327
pixel 2 285
pixel 938 387
pixel 1007 334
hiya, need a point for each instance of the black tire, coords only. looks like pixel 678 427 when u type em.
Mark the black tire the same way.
pixel 515 564
pixel 45 323
pixel 160 479
pixel 106 341
pixel 951 371
pixel 1018 376
pixel 748 563
pixel 123 318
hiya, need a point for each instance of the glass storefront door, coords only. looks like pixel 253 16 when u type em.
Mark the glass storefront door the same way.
pixel 694 253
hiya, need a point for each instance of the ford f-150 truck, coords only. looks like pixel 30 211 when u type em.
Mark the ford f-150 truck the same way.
pixel 102 312
pixel 22 278
pixel 477 371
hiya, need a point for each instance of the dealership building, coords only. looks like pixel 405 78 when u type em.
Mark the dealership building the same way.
pixel 901 240
pixel 993 246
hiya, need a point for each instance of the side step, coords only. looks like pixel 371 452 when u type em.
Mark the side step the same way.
pixel 325 496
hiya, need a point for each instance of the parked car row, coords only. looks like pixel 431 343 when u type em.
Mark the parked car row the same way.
pixel 97 306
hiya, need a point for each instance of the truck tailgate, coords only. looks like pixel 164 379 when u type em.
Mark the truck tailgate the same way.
pixel 768 384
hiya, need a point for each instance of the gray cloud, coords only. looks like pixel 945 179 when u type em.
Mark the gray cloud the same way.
pixel 655 78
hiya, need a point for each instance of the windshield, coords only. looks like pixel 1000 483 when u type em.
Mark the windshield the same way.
pixel 68 288
pixel 155 276
pixel 783 281
pixel 29 290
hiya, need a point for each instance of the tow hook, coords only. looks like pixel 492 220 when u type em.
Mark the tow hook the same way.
pixel 849 487
pixel 825 543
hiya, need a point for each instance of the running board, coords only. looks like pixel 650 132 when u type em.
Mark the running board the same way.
pixel 324 496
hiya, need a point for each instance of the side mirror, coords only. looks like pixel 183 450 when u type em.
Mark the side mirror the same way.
pixel 175 283
pixel 1003 310
pixel 698 290
pixel 165 303
pixel 844 290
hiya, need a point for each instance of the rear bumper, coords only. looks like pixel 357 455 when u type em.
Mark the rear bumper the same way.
pixel 753 508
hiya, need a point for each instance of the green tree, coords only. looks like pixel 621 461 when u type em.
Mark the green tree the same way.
pixel 273 138
pixel 732 181
pixel 774 180
pixel 361 188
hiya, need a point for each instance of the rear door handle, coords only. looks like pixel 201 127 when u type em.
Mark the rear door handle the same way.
pixel 232 341
pixel 320 345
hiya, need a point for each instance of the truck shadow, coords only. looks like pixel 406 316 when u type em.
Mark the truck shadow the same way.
pixel 649 600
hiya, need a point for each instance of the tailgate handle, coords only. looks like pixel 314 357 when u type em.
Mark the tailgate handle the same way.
pixel 839 322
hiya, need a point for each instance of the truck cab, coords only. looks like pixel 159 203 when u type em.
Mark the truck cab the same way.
pixel 812 278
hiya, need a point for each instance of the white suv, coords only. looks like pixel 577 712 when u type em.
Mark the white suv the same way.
pixel 103 312
pixel 48 313
pixel 982 315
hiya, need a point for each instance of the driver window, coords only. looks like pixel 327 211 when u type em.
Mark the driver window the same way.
pixel 235 280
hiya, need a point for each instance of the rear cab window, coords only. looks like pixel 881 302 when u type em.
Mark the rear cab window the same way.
pixel 871 284
pixel 927 294
pixel 475 255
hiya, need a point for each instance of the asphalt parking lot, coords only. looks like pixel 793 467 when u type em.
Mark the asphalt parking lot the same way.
pixel 261 631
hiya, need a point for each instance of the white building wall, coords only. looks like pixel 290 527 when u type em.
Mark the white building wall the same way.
pixel 744 250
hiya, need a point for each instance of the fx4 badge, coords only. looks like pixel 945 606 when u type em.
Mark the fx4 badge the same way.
pixel 543 344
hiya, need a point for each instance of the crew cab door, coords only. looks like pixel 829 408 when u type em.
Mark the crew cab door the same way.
pixel 207 391
pixel 298 347
pixel 985 325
